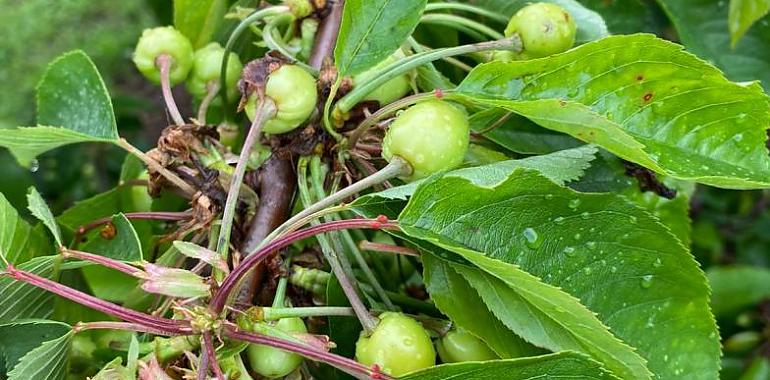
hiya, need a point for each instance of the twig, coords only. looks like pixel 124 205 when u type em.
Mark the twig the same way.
pixel 154 165
pixel 326 37
pixel 210 353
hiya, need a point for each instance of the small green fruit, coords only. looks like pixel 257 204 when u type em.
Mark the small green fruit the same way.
pixel 294 92
pixel 461 346
pixel 431 136
pixel 164 40
pixel 398 345
pixel 544 28
pixel 271 362
pixel 207 66
pixel 391 90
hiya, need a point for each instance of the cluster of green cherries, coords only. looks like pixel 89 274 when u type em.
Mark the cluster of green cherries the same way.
pixel 432 136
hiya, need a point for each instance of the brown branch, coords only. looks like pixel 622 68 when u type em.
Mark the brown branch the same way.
pixel 327 35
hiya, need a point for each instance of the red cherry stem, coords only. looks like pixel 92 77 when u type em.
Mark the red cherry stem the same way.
pixel 209 356
pixel 163 62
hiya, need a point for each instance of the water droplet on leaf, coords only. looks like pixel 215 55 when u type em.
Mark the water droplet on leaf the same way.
pixel 533 240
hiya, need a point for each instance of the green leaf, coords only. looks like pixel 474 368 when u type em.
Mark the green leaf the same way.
pixel 624 17
pixel 594 246
pixel 560 167
pixel 48 361
pixel 115 370
pixel 20 337
pixel 454 297
pixel 72 106
pixel 563 365
pixel 87 210
pixel 590 25
pixel 124 246
pixel 543 314
pixel 26 143
pixel 372 30
pixel 19 242
pixel 702 27
pixel 198 20
pixel 72 95
pixel 737 288
pixel 40 210
pixel 19 300
pixel 743 14
pixel 643 99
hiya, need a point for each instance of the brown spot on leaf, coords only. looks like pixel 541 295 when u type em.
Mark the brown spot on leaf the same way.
pixel 640 77
pixel 647 97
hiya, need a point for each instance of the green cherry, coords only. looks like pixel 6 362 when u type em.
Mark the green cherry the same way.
pixel 206 69
pixel 544 28
pixel 391 90
pixel 398 345
pixel 461 346
pixel 164 40
pixel 431 136
pixel 294 92
pixel 271 362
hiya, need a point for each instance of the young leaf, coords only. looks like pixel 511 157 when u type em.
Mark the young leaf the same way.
pixel 19 300
pixel 199 20
pixel 743 14
pixel 560 167
pixel 590 25
pixel 644 100
pixel 17 338
pixel 702 26
pixel 595 247
pixel 737 288
pixel 72 105
pixel 40 210
pixel 49 361
pixel 562 365
pixel 19 242
pixel 454 297
pixel 372 30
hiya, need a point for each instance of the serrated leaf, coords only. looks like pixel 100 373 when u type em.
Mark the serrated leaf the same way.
pixel 40 210
pixel 590 25
pixel 542 314
pixel 643 99
pixel 198 20
pixel 737 288
pixel 371 30
pixel 72 95
pixel 454 297
pixel 20 337
pixel 26 143
pixel 595 247
pixel 743 14
pixel 115 370
pixel 560 167
pixel 563 365
pixel 49 361
pixel 19 242
pixel 19 300
pixel 703 28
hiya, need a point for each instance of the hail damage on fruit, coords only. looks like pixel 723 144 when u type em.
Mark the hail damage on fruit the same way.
pixel 382 189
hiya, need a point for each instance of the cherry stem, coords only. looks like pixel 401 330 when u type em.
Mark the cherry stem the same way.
pixel 275 43
pixel 494 125
pixel 163 62
pixel 419 48
pixel 265 111
pixel 461 23
pixel 467 8
pixel 366 245
pixel 110 325
pixel 156 215
pixel 101 260
pixel 275 313
pixel 220 298
pixel 405 64
pixel 154 165
pixel 168 326
pixel 383 112
pixel 340 362
pixel 209 352
pixel 318 182
pixel 212 89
